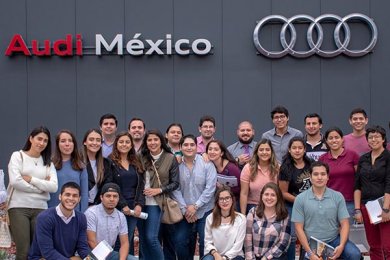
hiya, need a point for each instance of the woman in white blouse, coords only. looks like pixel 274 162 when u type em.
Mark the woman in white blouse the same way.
pixel 32 176
pixel 225 229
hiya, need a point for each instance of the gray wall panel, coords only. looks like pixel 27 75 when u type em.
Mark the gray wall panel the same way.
pixel 13 81
pixel 380 67
pixel 197 80
pixel 246 76
pixel 149 79
pixel 52 81
pixel 232 84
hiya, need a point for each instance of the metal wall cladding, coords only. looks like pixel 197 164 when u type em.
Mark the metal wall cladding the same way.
pixel 233 83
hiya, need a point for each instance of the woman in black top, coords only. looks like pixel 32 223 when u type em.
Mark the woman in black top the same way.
pixel 128 174
pixel 294 178
pixel 372 182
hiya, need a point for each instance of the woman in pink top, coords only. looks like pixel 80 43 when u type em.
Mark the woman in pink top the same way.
pixel 261 169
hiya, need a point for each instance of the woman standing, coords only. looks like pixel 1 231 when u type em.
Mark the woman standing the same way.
pixel 225 165
pixel 261 169
pixel 70 167
pixel 161 166
pixel 372 182
pixel 225 228
pixel 128 174
pixel 294 179
pixel 267 227
pixel 342 166
pixel 98 167
pixel 32 176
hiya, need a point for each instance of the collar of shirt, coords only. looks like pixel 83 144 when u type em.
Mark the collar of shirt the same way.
pixel 250 145
pixel 102 211
pixel 287 131
pixel 319 142
pixel 196 158
pixel 312 196
pixel 330 157
pixel 62 216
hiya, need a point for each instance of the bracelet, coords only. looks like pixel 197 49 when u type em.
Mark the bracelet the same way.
pixel 310 253
pixel 212 251
pixel 358 211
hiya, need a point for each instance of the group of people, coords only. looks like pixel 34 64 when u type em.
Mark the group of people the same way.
pixel 250 200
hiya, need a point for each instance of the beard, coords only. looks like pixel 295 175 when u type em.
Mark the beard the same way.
pixel 247 141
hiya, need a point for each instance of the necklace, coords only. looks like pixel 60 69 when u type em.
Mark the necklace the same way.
pixel 228 216
pixel 35 161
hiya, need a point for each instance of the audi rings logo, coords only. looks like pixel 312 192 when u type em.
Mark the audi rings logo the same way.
pixel 315 43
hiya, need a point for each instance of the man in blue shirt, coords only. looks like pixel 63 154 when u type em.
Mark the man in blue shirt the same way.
pixel 61 231
pixel 282 133
pixel 196 198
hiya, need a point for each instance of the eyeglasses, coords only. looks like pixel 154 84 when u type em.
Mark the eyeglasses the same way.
pixel 225 199
pixel 282 117
pixel 372 137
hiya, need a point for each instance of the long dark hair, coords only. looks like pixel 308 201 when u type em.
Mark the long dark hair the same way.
pixel 217 219
pixel 280 208
pixel 75 158
pixel 99 156
pixel 131 155
pixel 46 153
pixel 226 155
pixel 254 162
pixel 288 163
pixel 145 150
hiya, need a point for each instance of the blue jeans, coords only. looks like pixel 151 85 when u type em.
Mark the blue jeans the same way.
pixel 351 211
pixel 185 238
pixel 249 207
pixel 167 235
pixel 291 248
pixel 131 223
pixel 351 252
pixel 148 233
pixel 115 256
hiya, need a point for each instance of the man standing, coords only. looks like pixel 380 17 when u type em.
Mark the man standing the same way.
pixel 315 144
pixel 282 133
pixel 207 130
pixel 61 231
pixel 321 212
pixel 243 149
pixel 136 129
pixel 356 141
pixel 105 222
pixel 108 126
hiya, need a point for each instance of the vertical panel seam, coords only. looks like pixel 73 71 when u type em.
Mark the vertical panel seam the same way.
pixel 173 64
pixel 75 68
pixel 124 68
pixel 27 85
pixel 222 73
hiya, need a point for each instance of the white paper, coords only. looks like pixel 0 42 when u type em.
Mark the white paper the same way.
pixel 374 209
pixel 101 251
pixel 230 181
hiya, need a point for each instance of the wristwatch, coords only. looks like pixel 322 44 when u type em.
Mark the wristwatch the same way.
pixel 385 210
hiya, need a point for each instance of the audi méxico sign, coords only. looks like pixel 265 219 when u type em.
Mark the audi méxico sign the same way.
pixel 315 43
pixel 137 45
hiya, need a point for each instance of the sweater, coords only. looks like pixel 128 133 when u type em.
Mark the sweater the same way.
pixel 36 193
pixel 67 174
pixel 55 240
